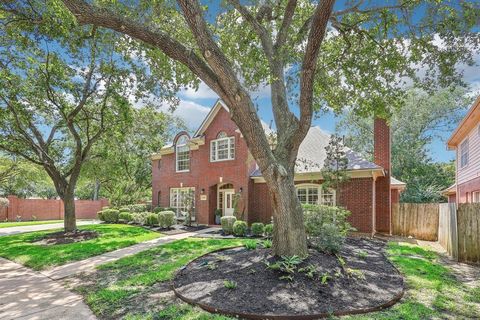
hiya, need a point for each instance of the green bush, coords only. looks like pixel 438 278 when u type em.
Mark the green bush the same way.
pixel 100 216
pixel 152 219
pixel 240 228
pixel 326 227
pixel 125 217
pixel 109 215
pixel 257 229
pixel 227 224
pixel 139 218
pixel 166 219
pixel 158 209
pixel 139 207
pixel 268 230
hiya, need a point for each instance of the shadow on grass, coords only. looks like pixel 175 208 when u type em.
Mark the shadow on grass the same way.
pixel 22 249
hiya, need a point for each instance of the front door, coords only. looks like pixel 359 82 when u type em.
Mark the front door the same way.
pixel 228 203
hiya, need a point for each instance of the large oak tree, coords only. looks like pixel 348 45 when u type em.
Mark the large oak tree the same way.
pixel 62 88
pixel 312 54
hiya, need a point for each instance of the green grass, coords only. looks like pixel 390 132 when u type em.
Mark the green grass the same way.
pixel 122 288
pixel 19 248
pixel 128 288
pixel 27 223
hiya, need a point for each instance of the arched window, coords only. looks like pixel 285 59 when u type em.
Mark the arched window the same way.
pixel 222 148
pixel 315 194
pixel 182 154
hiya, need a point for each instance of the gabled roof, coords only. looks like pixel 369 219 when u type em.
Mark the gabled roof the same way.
pixel 311 155
pixel 397 184
pixel 471 120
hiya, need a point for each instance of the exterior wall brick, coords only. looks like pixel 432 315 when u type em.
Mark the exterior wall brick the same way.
pixel 356 195
pixel 382 155
pixel 465 190
pixel 205 175
pixel 49 209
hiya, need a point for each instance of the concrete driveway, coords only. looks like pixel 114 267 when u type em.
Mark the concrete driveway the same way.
pixel 41 227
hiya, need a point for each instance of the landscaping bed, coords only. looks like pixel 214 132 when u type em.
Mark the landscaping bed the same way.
pixel 243 282
pixel 62 237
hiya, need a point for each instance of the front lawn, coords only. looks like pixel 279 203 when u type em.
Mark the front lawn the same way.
pixel 138 287
pixel 27 223
pixel 20 248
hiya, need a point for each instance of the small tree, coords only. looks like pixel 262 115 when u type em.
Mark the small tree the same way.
pixel 334 171
pixel 190 203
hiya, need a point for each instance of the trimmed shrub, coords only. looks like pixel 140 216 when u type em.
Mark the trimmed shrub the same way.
pixel 166 219
pixel 326 227
pixel 152 219
pixel 227 224
pixel 125 217
pixel 240 228
pixel 100 216
pixel 139 218
pixel 257 229
pixel 158 209
pixel 139 207
pixel 110 215
pixel 268 230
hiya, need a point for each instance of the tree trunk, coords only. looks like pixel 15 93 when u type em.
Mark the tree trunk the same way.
pixel 289 237
pixel 69 221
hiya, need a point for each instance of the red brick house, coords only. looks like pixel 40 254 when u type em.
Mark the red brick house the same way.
pixel 465 141
pixel 215 166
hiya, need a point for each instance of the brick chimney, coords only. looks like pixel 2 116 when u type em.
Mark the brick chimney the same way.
pixel 382 155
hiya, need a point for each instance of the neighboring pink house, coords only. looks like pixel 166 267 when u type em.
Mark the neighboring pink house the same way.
pixel 465 140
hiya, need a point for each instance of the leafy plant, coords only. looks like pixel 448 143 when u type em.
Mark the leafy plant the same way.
pixel 355 273
pixel 309 271
pixel 324 278
pixel 288 277
pixel 327 227
pixel 289 264
pixel 125 217
pixel 362 254
pixel 109 215
pixel 230 284
pixel 251 245
pixel 267 243
pixel 240 228
pixel 258 229
pixel 211 265
pixel 272 266
pixel 227 224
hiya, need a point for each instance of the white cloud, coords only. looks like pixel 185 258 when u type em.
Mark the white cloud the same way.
pixel 203 92
pixel 191 112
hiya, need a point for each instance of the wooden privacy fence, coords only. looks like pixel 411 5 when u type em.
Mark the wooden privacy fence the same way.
pixel 457 229
pixel 418 220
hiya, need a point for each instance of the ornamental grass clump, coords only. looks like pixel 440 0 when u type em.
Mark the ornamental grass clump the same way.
pixel 326 226
pixel 227 224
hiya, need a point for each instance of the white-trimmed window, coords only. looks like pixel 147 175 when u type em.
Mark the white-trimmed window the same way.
pixel 180 198
pixel 464 154
pixel 315 194
pixel 222 148
pixel 182 152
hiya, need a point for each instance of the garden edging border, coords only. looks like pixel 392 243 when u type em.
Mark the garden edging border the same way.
pixel 210 309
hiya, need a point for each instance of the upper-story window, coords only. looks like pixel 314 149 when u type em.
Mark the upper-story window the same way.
pixel 182 154
pixel 222 148
pixel 464 154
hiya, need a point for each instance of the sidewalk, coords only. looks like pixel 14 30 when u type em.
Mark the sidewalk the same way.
pixel 89 264
pixel 41 227
pixel 26 294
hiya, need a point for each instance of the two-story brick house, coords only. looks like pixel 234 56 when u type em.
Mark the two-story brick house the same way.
pixel 465 141
pixel 216 168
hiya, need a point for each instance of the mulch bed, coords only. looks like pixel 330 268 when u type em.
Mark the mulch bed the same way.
pixel 66 237
pixel 178 229
pixel 367 282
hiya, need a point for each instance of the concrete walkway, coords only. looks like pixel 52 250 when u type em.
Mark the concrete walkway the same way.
pixel 41 227
pixel 26 294
pixel 89 264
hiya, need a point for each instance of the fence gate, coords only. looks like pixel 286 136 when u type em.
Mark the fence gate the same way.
pixel 447 228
